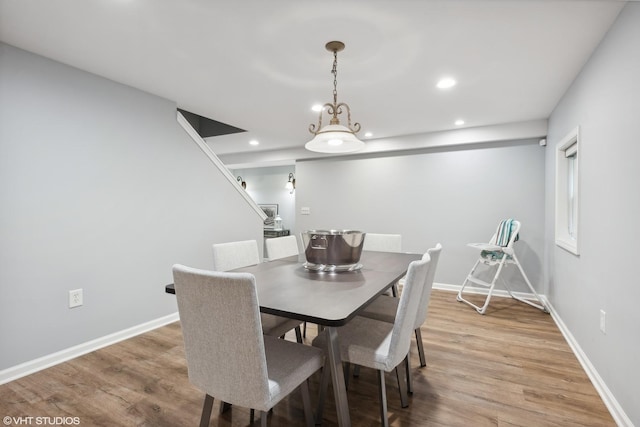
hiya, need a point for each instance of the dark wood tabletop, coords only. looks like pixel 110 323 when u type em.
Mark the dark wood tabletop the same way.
pixel 286 288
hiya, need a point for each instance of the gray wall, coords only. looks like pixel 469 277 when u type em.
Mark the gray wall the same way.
pixel 451 195
pixel 100 189
pixel 604 101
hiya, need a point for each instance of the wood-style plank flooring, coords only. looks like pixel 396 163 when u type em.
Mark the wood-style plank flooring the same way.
pixel 510 367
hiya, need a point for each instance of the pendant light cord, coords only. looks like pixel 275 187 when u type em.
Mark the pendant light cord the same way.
pixel 334 71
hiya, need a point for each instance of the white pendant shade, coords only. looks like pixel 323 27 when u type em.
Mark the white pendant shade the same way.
pixel 334 139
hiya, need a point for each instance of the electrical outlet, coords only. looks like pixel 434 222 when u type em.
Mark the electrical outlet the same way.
pixel 75 298
pixel 603 318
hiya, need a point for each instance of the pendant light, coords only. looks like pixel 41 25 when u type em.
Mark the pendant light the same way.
pixel 334 137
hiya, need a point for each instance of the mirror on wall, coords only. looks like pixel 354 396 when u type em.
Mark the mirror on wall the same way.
pixel 273 189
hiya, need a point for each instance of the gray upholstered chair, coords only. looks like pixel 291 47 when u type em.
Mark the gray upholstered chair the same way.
pixel 281 247
pixel 385 308
pixel 232 255
pixel 381 345
pixel 228 356
pixel 384 243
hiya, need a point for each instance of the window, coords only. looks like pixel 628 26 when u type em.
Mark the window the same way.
pixel 567 184
pixel 572 183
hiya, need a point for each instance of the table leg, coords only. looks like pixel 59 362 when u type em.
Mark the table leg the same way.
pixel 337 378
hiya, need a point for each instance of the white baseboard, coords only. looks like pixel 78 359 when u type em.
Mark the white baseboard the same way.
pixel 618 414
pixel 44 362
pixel 616 411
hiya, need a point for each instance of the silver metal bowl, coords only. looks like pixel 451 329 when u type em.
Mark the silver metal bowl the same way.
pixel 333 250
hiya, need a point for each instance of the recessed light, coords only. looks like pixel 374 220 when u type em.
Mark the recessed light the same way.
pixel 368 135
pixel 459 122
pixel 317 108
pixel 254 142
pixel 446 83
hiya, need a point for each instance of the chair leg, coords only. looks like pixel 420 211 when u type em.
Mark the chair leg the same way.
pixel 298 335
pixel 347 369
pixel 459 297
pixel 252 415
pixel 206 411
pixel 423 361
pixel 540 306
pixel 407 367
pixel 491 285
pixel 324 385
pixel 263 418
pixel 394 290
pixel 382 390
pixel 402 386
pixel 304 330
pixel 306 403
pixel 224 407
pixel 483 309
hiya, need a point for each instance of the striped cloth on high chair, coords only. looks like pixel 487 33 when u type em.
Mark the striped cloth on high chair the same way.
pixel 503 235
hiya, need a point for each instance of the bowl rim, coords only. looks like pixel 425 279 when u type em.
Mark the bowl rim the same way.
pixel 333 232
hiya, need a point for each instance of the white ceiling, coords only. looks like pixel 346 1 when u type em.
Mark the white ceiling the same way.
pixel 260 65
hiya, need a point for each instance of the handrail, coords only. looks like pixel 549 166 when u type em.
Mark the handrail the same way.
pixel 218 163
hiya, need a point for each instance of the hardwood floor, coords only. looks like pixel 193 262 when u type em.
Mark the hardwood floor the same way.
pixel 510 367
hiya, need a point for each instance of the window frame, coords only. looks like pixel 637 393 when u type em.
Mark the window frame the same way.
pixel 566 219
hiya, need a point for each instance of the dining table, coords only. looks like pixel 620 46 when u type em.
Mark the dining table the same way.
pixel 327 298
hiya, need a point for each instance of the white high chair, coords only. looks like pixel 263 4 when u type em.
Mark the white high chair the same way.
pixel 499 252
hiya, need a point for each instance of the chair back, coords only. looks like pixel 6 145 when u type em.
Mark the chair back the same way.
pixel 281 247
pixel 232 255
pixel 421 316
pixel 223 342
pixel 382 242
pixel 407 310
